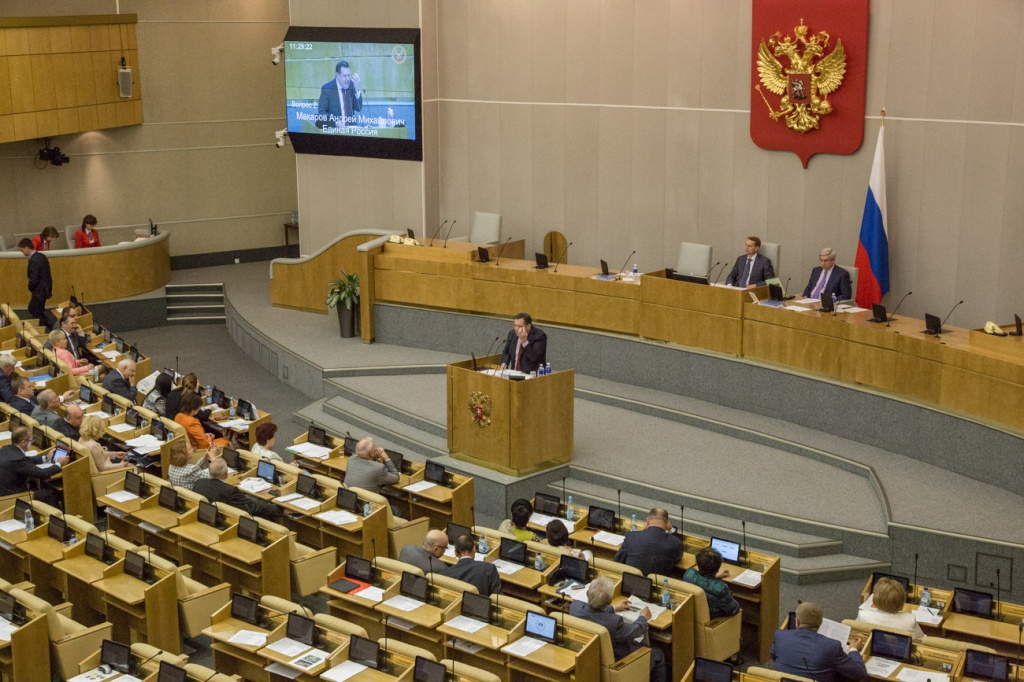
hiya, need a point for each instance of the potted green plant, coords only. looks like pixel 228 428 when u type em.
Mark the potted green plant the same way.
pixel 343 294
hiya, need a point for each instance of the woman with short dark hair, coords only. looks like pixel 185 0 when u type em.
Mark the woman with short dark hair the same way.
pixel 87 237
pixel 266 434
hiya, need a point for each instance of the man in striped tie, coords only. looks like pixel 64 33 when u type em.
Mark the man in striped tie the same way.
pixel 829 278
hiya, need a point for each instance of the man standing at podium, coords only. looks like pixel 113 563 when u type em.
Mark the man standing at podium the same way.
pixel 526 346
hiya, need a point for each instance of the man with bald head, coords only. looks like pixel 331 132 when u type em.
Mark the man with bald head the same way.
pixel 69 425
pixel 46 411
pixel 216 489
pixel 122 380
pixel 371 468
pixel 655 549
pixel 428 557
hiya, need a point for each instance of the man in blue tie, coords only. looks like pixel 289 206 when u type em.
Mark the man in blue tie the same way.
pixel 829 278
pixel 751 269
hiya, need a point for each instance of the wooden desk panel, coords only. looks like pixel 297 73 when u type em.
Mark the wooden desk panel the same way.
pixel 689 328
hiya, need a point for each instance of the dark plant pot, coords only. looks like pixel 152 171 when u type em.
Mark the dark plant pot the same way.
pixel 346 320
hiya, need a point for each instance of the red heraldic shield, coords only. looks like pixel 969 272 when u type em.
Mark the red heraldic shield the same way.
pixel 808 75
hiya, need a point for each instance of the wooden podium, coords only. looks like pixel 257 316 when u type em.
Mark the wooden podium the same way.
pixel 515 427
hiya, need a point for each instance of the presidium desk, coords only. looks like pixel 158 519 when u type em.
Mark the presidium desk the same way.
pixel 964 371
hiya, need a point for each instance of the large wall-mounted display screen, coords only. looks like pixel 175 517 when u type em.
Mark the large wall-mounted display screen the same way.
pixel 354 91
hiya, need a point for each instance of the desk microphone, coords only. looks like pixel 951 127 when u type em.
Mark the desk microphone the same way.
pixel 682 512
pixel 1020 630
pixel 785 296
pixel 490 347
pixel 720 273
pixel 711 269
pixel 746 558
pixel 619 494
pixel 562 256
pixel 623 268
pixel 998 586
pixel 437 233
pixel 914 584
pixel 947 317
pixel 501 250
pixel 893 313
pixel 449 234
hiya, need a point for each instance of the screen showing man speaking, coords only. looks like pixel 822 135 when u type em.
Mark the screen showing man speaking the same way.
pixel 353 92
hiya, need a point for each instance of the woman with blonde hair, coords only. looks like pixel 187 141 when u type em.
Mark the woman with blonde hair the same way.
pixel 886 609
pixel 59 342
pixel 183 472
pixel 91 431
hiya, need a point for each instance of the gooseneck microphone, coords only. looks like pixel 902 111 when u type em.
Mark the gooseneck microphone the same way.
pixel 500 250
pixel 947 316
pixel 720 273
pixel 490 347
pixel 437 232
pixel 892 315
pixel 914 584
pixel 712 269
pixel 564 251
pixel 785 296
pixel 624 264
pixel 746 559
pixel 449 234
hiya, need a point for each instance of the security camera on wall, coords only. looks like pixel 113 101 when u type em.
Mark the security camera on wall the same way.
pixel 280 135
pixel 276 52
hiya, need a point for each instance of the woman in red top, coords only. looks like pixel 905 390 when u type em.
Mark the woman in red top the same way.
pixel 87 237
pixel 41 242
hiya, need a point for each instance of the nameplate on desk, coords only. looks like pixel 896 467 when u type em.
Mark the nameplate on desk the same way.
pixel 114 511
pixel 150 528
pixel 6 545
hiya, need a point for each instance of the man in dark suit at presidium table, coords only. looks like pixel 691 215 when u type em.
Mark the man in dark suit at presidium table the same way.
pixel 751 268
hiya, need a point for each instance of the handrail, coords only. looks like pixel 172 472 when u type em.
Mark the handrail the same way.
pixel 328 245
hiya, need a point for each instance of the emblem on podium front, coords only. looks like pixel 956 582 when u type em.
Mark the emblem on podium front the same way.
pixel 480 408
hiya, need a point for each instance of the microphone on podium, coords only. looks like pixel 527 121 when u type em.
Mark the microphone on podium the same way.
pixel 439 228
pixel 565 251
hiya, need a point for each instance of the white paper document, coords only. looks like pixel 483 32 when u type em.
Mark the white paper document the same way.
pixel 881 667
pixel 306 503
pixel 249 638
pixel 869 602
pixel 834 630
pixel 464 645
pixel 287 498
pixel 807 301
pixel 121 428
pixel 309 660
pixel 524 646
pixel 450 552
pixel 122 496
pixel 343 671
pixel 374 594
pixel 93 675
pixel 613 539
pixel 11 525
pixel 145 440
pixel 466 624
pixel 338 517
pixel 254 484
pixel 748 578
pixel 927 616
pixel 912 675
pixel 288 647
pixel 419 487
pixel 233 424
pixel 6 630
pixel 507 567
pixel 403 603
pixel 5 435
pixel 639 604
pixel 310 450
pixel 850 309
pixel 541 520
pixel 796 308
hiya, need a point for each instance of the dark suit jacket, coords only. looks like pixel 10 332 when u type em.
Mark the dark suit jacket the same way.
pixel 534 354
pixel 761 271
pixel 825 658
pixel 40 283
pixel 68 430
pixel 6 392
pixel 838 283
pixel 23 405
pixel 480 574
pixel 216 490
pixel 622 633
pixel 16 468
pixel 115 383
pixel 651 550
pixel 330 105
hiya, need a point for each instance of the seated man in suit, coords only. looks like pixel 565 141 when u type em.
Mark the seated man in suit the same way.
pixel 16 467
pixel 654 549
pixel 598 609
pixel 829 278
pixel 7 365
pixel 371 468
pixel 707 575
pixel 46 411
pixel 480 574
pixel 526 347
pixel 122 380
pixel 428 557
pixel 216 489
pixel 805 653
pixel 751 269
pixel 69 425
pixel 24 393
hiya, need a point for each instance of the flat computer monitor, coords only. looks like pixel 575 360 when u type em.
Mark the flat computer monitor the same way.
pixel 359 568
pixel 573 568
pixel 246 410
pixel 980 665
pixel 730 551
pixel 168 499
pixel 39 438
pixel 11 610
pixel 133 483
pixel 878 313
pixel 905 582
pixel 599 518
pixel 116 655
pixel 932 324
pixel 397 458
pixel 209 514
pixel 364 651
pixel 58 530
pixel 513 551
pixel 707 670
pixel 168 672
pixel 349 448
pixel 476 606
pixel 119 344
pixel 317 436
pixel 414 586
pixel 85 393
pixel 541 627
pixel 972 602
pixel 137 567
pixel 890 645
pixel 482 254
pixel 301 629
pixel 307 486
pixel 433 472
pixel 546 504
pixel 21 507
pixel 131 417
pixel 216 395
pixel 250 531
pixel 266 470
pixel 107 404
pixel 454 531
pixel 96 547
pixel 232 459
pixel 426 670
pixel 637 586
pixel 348 500
pixel 245 609
pixel 158 430
pixel 13 422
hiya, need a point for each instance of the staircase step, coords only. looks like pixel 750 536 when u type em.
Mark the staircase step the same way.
pixel 404 435
pixel 417 422
pixel 196 319
pixel 212 297
pixel 196 307
pixel 211 288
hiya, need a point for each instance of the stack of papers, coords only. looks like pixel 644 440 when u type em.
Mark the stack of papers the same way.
pixel 249 638
pixel 881 667
pixel 254 484
pixel 11 525
pixel 403 603
pixel 507 567
pixel 5 435
pixel 343 671
pixel 121 428
pixel 144 444
pixel 371 593
pixel 607 538
pixel 419 487
pixel 338 517
pixel 289 647
pixel 524 646
pixel 109 354
pixel 306 503
pixel 233 424
pixel 122 496
pixel 807 301
pixel 466 624
pixel 927 616
pixel 288 498
pixel 748 578
pixel 310 450
pixel 543 520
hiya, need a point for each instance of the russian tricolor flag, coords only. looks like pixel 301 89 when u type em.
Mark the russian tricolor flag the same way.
pixel 873 249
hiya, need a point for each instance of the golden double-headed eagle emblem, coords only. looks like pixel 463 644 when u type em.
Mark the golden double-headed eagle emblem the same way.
pixel 808 81
pixel 480 408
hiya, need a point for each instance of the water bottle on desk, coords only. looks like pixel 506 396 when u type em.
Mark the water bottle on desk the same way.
pixel 232 413
pixel 636 273
pixel 538 562
pixel 926 597
pixel 834 304
pixel 481 546
pixel 209 394
pixel 547 369
pixel 30 521
pixel 570 513
pixel 632 523
pixel 666 598
pixel 367 509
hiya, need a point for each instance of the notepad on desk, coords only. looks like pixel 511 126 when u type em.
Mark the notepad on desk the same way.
pixel 306 503
pixel 748 578
pixel 403 603
pixel 343 671
pixel 524 646
pixel 607 538
pixel 288 647
pixel 419 486
pixel 249 638
pixel 11 526
pixel 507 567
pixel 881 667
pixel 466 624
pixel 309 450
pixel 121 428
pixel 122 496
pixel 338 517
